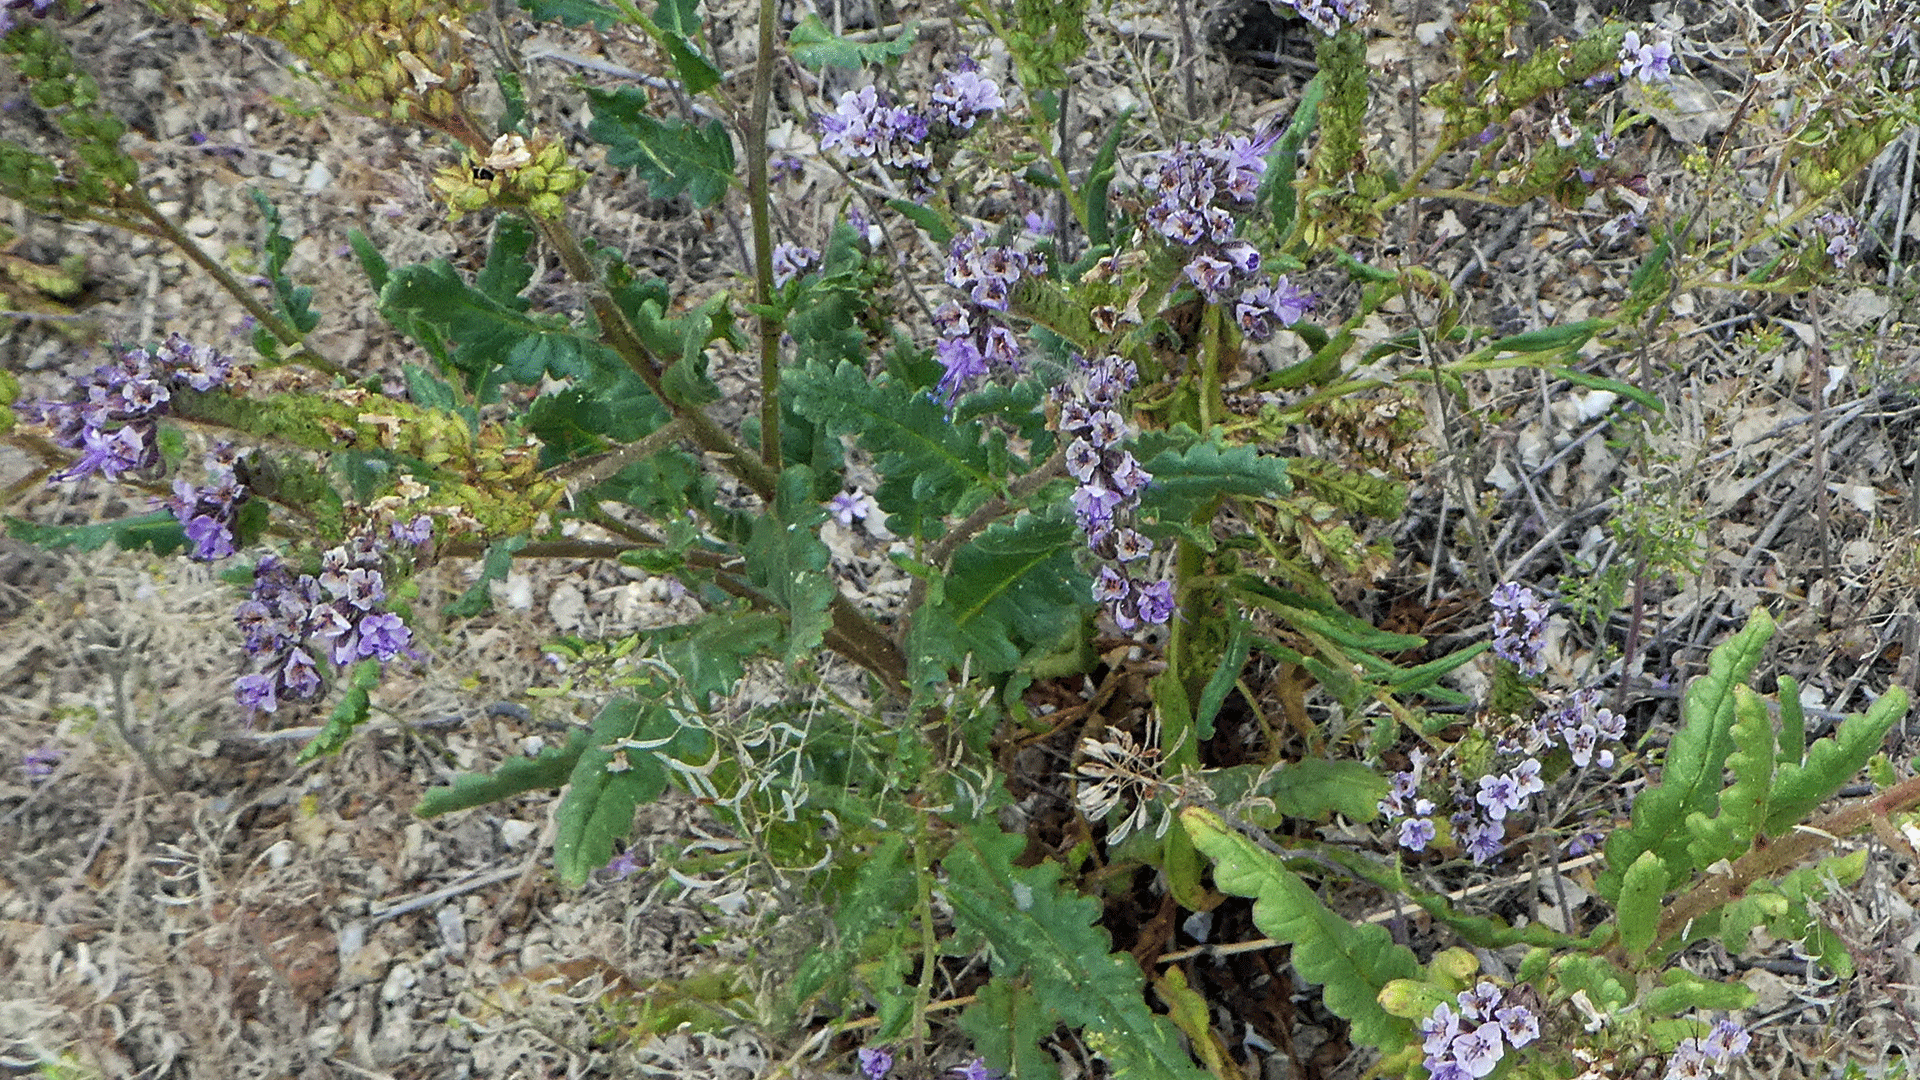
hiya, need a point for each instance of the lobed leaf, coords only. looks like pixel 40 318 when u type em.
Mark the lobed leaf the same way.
pixel 159 532
pixel 815 46
pixel 1194 477
pixel 672 156
pixel 882 887
pixel 514 776
pixel 1690 779
pixel 1743 805
pixel 1352 962
pixel 350 712
pixel 1642 889
pixel 294 303
pixel 1034 926
pixel 1014 588
pixel 608 781
pixel 1832 761
pixel 1006 1023
pixel 787 559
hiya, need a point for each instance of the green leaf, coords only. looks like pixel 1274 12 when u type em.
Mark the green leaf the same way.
pixel 1690 778
pixel 931 467
pixel 1831 762
pixel 1743 805
pixel 571 12
pixel 1686 992
pixel 1642 889
pixel 1013 588
pixel 1100 179
pixel 349 713
pixel 677 25
pixel 1036 927
pixel 1353 963
pixel 1793 723
pixel 815 46
pixel 1277 185
pixel 1613 386
pixel 708 654
pixel 926 217
pixel 478 598
pixel 1546 339
pixel 601 794
pixel 787 559
pixel 1311 789
pixel 1006 1023
pixel 158 532
pixel 1232 660
pixel 1194 477
pixel 880 898
pixel 293 303
pixel 828 304
pixel 670 155
pixel 514 776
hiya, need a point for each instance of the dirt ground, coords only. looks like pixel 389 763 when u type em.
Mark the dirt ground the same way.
pixel 178 899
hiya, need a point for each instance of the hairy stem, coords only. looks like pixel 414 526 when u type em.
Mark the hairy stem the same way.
pixel 758 203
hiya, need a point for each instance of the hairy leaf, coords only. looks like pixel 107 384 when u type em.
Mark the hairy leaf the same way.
pixel 1310 789
pixel 1352 962
pixel 1690 778
pixel 349 713
pixel 159 532
pixel 1832 761
pixel 1036 927
pixel 1006 1023
pixel 787 558
pixel 1743 805
pixel 932 466
pixel 883 888
pixel 815 46
pixel 514 776
pixel 293 303
pixel 1195 476
pixel 1684 992
pixel 1014 587
pixel 1642 889
pixel 671 155
pixel 612 777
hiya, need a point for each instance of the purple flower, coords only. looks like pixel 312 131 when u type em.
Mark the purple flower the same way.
pixel 1038 226
pixel 850 506
pixel 1479 1050
pixel 1520 627
pixel 1128 477
pixel 256 692
pixel 792 260
pixel 1584 841
pixel 974 1070
pixel 1211 275
pixel 212 540
pixel 383 635
pixel 1651 61
pixel 300 677
pixel 1156 602
pixel 1439 1028
pixel 1416 834
pixel 1485 841
pixel 1129 544
pixel 1519 1025
pixel 1497 795
pixel 1526 779
pixel 39 762
pixel 623 865
pixel 1106 428
pixel 418 532
pixel 1689 1062
pixel 1843 234
pixel 875 1062
pixel 1479 1002
pixel 1111 584
pixel 964 364
pixel 1726 1041
pixel 963 96
pixel 1082 460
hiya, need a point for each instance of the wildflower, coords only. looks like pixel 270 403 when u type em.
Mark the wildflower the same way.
pixel 38 763
pixel 1520 627
pixel 1416 833
pixel 1439 1028
pixel 1156 602
pixel 875 1062
pixel 850 506
pixel 1479 1002
pixel 963 96
pixel 792 260
pixel 1479 1050
pixel 37 8
pixel 1843 237
pixel 974 1070
pixel 1689 1062
pixel 1496 796
pixel 624 865
pixel 1727 1040
pixel 1519 1025
pixel 1484 842
pixel 1651 61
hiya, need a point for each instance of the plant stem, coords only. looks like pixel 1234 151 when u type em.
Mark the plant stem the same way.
pixel 758 204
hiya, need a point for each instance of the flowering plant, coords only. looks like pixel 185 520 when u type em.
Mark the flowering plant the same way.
pixel 1071 438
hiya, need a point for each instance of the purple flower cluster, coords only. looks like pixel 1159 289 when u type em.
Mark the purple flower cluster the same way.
pixel 973 340
pixel 792 260
pixel 114 420
pixel 340 614
pixel 875 1062
pixel 1109 484
pixel 1520 627
pixel 207 512
pixel 1197 190
pixel 1843 236
pixel 1652 61
pixel 1468 1044
pixel 1697 1059
pixel 1582 725
pixel 37 8
pixel 39 762
pixel 864 124
pixel 1327 16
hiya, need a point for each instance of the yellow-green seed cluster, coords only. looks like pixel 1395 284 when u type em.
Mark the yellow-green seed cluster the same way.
pixel 403 59
pixel 514 174
pixel 91 170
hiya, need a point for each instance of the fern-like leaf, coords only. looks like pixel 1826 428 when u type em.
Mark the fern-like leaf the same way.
pixel 1832 761
pixel 1006 1023
pixel 1642 889
pixel 611 778
pixel 1036 927
pixel 1352 962
pixel 1690 779
pixel 1743 805
pixel 787 558
pixel 1013 588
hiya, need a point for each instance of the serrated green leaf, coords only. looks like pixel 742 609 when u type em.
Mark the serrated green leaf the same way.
pixel 672 156
pixel 708 654
pixel 1832 761
pixel 1690 779
pixel 479 598
pixel 1100 179
pixel 1191 474
pixel 349 713
pixel 931 466
pixel 1276 187
pixel 1310 789
pixel 880 896
pixel 1793 723
pixel 1605 984
pixel 1227 672
pixel 827 305
pixel 1352 963
pixel 1014 587
pixel 1642 889
pixel 571 12
pixel 158 532
pixel 926 217
pixel 788 560
pixel 1006 1023
pixel 1743 805
pixel 815 46
pixel 677 25
pixel 293 303
pixel 1035 927
pixel 1685 992
pixel 515 776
